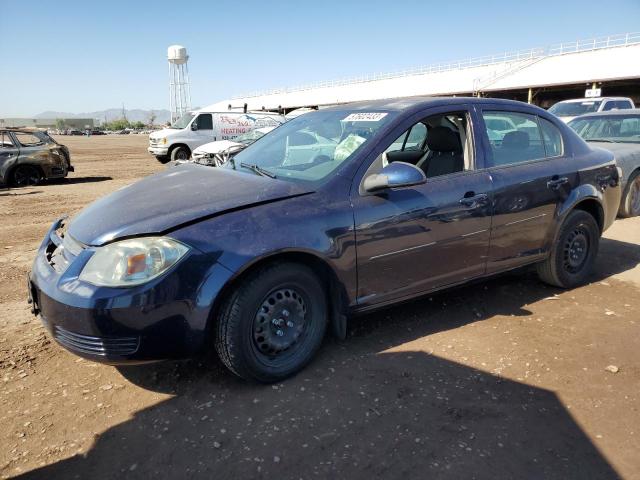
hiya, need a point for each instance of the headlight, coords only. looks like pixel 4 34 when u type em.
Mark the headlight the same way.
pixel 164 140
pixel 132 262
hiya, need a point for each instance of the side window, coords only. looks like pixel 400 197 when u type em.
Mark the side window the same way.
pixel 28 139
pixel 438 145
pixel 610 105
pixel 412 139
pixel 205 122
pixel 623 104
pixel 5 140
pixel 552 138
pixel 520 142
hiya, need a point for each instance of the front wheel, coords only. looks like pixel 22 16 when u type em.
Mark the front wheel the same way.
pixel 630 204
pixel 163 158
pixel 572 256
pixel 273 323
pixel 180 153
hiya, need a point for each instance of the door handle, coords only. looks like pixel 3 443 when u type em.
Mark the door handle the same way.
pixel 556 182
pixel 473 200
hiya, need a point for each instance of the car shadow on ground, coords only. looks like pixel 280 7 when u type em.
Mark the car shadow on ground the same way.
pixel 76 180
pixel 359 410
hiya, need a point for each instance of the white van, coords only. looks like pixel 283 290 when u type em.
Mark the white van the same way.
pixel 203 126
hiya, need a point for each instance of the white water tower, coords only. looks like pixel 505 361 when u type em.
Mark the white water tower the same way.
pixel 179 90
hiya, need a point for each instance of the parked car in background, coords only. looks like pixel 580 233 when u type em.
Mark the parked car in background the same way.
pixel 619 132
pixel 216 154
pixel 262 256
pixel 194 129
pixel 75 132
pixel 28 156
pixel 567 110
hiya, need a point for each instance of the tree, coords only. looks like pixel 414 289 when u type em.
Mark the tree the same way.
pixel 117 125
pixel 152 118
pixel 60 125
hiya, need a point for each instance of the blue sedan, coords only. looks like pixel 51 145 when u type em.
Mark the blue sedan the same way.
pixel 336 212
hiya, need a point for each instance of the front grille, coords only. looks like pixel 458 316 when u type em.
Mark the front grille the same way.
pixel 101 346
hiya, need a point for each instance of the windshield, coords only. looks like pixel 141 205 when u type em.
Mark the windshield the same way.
pixel 249 137
pixel 183 121
pixel 614 128
pixel 312 146
pixel 573 109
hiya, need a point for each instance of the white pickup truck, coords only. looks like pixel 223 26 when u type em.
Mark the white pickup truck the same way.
pixel 204 126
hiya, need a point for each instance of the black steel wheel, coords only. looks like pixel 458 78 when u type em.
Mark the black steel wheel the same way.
pixel 273 323
pixel 574 252
pixel 630 203
pixel 25 175
pixel 180 153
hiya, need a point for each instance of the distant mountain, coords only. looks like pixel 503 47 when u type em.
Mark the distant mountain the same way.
pixel 134 115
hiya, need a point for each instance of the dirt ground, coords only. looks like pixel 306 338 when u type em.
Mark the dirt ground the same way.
pixel 502 379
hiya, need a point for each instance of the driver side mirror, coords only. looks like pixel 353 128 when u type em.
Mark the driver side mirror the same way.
pixel 394 175
pixel 194 125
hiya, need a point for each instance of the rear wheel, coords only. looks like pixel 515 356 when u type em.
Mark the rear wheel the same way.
pixel 25 175
pixel 273 323
pixel 630 204
pixel 180 153
pixel 572 257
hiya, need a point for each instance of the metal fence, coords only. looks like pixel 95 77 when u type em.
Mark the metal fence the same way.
pixel 611 41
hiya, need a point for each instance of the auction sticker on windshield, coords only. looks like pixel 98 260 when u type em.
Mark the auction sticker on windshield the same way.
pixel 365 117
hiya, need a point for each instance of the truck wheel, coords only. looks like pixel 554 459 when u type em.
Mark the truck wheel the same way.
pixel 163 158
pixel 180 153
pixel 572 256
pixel 630 204
pixel 25 175
pixel 273 323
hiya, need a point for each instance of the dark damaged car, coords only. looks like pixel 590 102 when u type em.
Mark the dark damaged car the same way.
pixel 28 156
pixel 261 257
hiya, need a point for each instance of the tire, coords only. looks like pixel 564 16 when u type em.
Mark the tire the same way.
pixel 180 153
pixel 574 252
pixel 281 297
pixel 25 175
pixel 630 203
pixel 163 159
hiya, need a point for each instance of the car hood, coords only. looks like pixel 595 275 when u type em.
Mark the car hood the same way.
pixel 178 196
pixel 215 147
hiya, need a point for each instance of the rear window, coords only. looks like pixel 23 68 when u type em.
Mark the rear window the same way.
pixel 573 109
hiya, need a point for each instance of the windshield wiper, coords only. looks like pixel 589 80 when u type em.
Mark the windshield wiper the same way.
pixel 257 169
pixel 606 140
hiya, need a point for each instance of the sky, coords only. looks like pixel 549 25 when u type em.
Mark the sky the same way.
pixel 74 56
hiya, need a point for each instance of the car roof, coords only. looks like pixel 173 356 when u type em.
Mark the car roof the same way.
pixel 609 113
pixel 417 103
pixel 21 129
pixel 585 99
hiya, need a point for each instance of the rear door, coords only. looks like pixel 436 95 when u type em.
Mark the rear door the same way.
pixel 9 153
pixel 531 176
pixel 414 239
